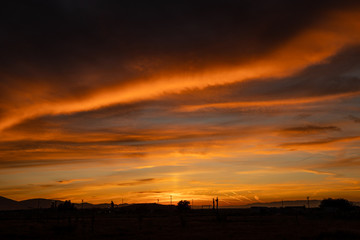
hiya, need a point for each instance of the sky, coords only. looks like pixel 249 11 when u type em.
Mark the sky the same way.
pixel 136 101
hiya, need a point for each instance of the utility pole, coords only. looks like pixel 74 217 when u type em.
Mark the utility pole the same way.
pixel 217 203
pixel 82 203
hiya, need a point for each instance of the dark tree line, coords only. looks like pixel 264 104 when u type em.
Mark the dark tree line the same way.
pixel 66 206
pixel 340 203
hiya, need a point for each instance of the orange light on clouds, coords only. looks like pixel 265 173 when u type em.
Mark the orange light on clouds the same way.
pixel 301 145
pixel 309 47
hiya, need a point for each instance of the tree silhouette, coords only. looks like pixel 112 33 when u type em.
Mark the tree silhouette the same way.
pixel 66 206
pixel 53 205
pixel 340 203
pixel 183 205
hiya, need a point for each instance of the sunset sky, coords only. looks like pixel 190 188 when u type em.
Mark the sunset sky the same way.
pixel 248 101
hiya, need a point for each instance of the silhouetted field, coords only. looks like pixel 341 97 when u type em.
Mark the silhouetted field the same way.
pixel 165 222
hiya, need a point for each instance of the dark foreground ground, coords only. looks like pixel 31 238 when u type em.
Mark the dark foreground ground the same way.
pixel 171 224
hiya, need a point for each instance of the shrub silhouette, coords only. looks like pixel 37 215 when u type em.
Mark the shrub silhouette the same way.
pixel 183 205
pixel 66 206
pixel 340 203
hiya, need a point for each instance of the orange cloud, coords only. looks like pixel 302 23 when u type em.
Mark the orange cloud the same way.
pixel 310 47
pixel 268 103
pixel 319 142
pixel 72 180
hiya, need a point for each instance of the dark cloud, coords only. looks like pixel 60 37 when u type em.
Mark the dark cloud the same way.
pixel 319 142
pixel 65 52
pixel 78 46
pixel 32 162
pixel 146 180
pixel 309 129
pixel 83 31
pixel 323 79
pixel 138 182
pixel 354 118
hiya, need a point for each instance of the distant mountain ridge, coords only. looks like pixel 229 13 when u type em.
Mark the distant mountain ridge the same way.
pixel 39 203
pixel 9 204
pixel 313 204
